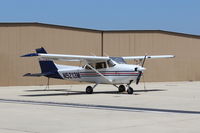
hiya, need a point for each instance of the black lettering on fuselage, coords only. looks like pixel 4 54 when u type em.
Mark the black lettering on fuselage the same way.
pixel 71 75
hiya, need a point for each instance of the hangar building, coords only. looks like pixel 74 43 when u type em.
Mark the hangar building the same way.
pixel 20 38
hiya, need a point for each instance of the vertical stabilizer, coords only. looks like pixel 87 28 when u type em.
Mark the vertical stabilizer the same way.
pixel 47 66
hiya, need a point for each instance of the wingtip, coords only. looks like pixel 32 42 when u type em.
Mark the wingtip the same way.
pixel 173 56
pixel 27 74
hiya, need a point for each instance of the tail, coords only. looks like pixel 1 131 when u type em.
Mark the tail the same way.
pixel 46 65
pixel 48 68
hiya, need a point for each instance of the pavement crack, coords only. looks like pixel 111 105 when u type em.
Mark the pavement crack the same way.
pixel 19 130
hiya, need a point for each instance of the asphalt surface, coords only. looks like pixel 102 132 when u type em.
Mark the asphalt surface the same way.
pixel 162 107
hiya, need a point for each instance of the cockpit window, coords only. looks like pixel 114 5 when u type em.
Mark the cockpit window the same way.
pixel 100 65
pixel 119 60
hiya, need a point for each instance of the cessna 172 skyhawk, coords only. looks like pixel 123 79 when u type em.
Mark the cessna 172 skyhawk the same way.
pixel 96 69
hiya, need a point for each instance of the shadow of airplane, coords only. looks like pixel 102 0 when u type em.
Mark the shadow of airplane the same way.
pixel 68 92
pixel 40 90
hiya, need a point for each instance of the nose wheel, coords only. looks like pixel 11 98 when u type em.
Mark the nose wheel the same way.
pixel 130 90
pixel 122 88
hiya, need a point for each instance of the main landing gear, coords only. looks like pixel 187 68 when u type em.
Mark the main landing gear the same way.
pixel 122 88
pixel 89 89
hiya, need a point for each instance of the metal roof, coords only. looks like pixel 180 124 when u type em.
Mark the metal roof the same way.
pixel 94 30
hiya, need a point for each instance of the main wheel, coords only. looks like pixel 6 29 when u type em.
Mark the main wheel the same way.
pixel 122 88
pixel 89 90
pixel 130 90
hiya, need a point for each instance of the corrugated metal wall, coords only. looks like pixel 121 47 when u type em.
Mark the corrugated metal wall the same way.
pixel 19 39
pixel 185 67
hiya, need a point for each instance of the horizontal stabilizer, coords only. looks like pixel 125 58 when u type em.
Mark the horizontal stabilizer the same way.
pixel 34 74
pixel 38 74
pixel 30 55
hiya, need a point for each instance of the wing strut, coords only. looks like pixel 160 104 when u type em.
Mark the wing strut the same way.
pixel 99 73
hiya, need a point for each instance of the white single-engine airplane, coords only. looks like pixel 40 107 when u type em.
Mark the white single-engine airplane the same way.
pixel 96 69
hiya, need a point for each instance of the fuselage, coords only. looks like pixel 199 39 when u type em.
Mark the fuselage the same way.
pixel 118 74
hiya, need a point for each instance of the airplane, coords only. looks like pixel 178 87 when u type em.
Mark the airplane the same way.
pixel 96 69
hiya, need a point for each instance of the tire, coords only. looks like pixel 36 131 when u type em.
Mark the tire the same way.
pixel 130 90
pixel 89 90
pixel 122 88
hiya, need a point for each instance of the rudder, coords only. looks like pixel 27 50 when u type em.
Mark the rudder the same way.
pixel 46 65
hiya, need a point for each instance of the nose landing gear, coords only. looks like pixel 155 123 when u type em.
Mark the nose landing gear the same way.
pixel 122 88
pixel 130 90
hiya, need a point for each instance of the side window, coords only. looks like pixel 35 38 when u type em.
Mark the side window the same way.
pixel 100 65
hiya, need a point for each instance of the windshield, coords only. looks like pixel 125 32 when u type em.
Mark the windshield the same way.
pixel 119 60
pixel 110 63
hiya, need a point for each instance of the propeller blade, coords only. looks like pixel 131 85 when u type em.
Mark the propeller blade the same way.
pixel 140 72
pixel 144 60
pixel 138 78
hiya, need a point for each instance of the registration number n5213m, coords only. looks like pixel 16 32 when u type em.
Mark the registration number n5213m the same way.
pixel 71 75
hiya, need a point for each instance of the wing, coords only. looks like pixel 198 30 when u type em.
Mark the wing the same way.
pixel 63 57
pixel 147 57
pixel 42 54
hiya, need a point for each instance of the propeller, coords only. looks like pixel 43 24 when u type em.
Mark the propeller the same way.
pixel 140 72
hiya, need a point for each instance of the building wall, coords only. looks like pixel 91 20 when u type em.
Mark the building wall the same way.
pixel 19 39
pixel 16 40
pixel 185 67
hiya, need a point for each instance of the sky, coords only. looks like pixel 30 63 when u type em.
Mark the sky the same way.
pixel 171 15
